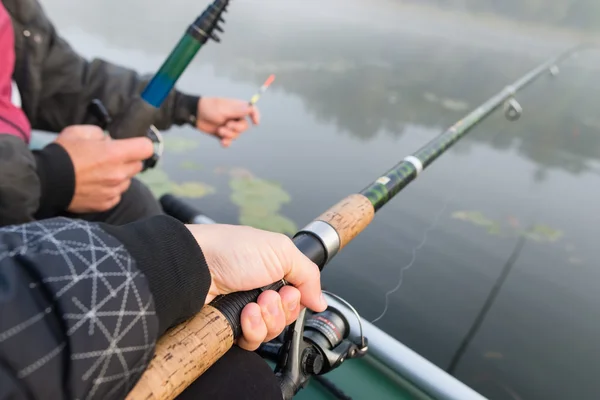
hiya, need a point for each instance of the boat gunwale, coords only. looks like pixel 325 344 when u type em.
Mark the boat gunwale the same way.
pixel 407 363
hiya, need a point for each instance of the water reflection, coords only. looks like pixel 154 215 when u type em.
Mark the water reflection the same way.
pixel 356 82
pixel 349 101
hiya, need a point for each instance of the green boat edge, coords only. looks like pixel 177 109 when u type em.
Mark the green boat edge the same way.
pixel 390 370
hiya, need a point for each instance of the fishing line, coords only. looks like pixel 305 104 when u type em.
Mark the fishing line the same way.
pixel 430 228
pixel 487 305
pixel 495 291
pixel 408 266
pixel 218 324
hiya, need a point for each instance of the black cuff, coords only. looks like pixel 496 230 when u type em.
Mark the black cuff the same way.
pixel 186 108
pixel 167 253
pixel 57 180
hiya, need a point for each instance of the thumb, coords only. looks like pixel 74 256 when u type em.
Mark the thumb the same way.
pixel 306 277
pixel 133 149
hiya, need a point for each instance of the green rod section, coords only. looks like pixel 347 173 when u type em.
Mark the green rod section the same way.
pixel 180 57
pixel 383 189
pixel 164 80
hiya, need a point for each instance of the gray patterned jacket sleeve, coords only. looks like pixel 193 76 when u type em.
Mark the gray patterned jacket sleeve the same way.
pixel 77 318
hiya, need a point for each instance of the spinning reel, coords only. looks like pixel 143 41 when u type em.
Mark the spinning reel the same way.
pixel 104 120
pixel 315 344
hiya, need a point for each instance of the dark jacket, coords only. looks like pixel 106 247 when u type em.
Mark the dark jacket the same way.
pixel 82 304
pixel 56 86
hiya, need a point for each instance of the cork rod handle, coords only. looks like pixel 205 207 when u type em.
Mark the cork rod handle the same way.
pixel 349 217
pixel 188 350
pixel 183 354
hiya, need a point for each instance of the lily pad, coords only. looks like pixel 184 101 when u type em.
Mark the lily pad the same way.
pixel 455 105
pixel 178 144
pixel 495 229
pixel 191 165
pixel 159 183
pixel 543 233
pixel 192 189
pixel 251 190
pixel 475 217
pixel 269 222
pixel 157 180
pixel 539 233
pixel 478 219
pixel 259 201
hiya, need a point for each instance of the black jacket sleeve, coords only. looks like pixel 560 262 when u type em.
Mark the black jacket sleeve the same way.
pixel 81 310
pixel 33 185
pixel 70 82
pixel 19 183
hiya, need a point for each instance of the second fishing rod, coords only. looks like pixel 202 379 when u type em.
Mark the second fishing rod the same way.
pixel 188 350
pixel 137 115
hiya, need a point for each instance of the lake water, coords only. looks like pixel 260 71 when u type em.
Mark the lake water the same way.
pixel 359 86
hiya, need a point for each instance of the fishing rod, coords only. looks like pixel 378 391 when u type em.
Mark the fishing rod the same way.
pixel 141 110
pixel 183 212
pixel 188 350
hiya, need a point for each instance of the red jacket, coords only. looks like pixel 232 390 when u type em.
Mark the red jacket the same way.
pixel 12 119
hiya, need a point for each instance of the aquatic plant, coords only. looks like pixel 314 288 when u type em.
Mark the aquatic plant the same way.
pixel 447 103
pixel 478 219
pixel 191 165
pixel 260 201
pixel 179 144
pixel 539 233
pixel 159 183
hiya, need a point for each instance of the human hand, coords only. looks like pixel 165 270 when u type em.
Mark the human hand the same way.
pixel 225 118
pixel 243 258
pixel 103 167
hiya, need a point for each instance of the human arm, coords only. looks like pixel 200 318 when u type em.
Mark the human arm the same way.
pixel 70 82
pixel 33 184
pixel 82 304
pixel 66 83
pixel 81 311
pixel 74 82
pixel 78 172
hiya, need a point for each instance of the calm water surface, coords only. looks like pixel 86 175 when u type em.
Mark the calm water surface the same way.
pixel 357 89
